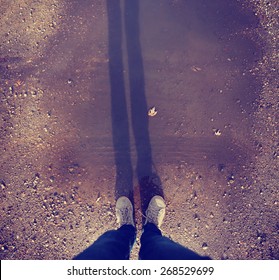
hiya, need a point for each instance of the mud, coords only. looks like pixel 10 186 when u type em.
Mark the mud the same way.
pixel 77 81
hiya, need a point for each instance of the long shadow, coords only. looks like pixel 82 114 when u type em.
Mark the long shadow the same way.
pixel 119 115
pixel 149 181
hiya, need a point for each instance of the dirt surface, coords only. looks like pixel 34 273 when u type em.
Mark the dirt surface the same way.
pixel 77 80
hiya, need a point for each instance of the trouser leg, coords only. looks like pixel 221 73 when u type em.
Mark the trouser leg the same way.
pixel 112 245
pixel 154 246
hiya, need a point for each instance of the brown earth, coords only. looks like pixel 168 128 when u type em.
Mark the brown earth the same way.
pixel 210 69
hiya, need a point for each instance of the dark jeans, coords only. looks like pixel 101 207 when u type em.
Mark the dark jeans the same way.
pixel 117 244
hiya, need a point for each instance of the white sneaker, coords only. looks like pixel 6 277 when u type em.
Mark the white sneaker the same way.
pixel 156 210
pixel 124 211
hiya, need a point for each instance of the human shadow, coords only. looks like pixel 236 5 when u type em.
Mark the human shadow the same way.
pixel 119 114
pixel 149 181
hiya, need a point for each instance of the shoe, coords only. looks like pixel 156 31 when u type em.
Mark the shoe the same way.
pixel 124 211
pixel 156 210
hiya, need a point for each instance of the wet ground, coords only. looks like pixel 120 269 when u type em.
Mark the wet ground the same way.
pixel 77 81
